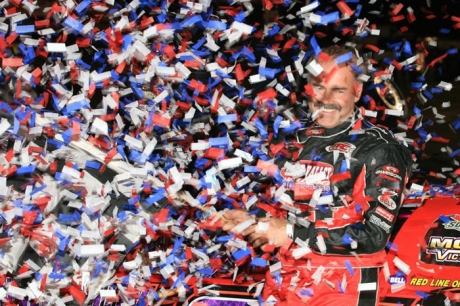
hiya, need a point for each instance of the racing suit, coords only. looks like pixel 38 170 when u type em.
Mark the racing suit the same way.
pixel 345 186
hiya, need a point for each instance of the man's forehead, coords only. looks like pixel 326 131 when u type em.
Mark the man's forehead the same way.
pixel 330 64
pixel 330 69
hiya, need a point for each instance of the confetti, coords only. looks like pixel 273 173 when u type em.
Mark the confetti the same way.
pixel 151 120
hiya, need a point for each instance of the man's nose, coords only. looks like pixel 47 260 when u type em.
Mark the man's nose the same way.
pixel 327 95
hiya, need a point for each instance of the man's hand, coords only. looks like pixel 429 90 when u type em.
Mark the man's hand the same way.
pixel 267 231
pixel 234 217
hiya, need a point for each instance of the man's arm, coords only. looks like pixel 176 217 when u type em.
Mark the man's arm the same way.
pixel 376 199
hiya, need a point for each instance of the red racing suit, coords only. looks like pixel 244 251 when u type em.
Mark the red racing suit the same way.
pixel 345 186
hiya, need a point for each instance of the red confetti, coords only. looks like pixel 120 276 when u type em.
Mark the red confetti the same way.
pixel 267 167
pixel 440 139
pixel 397 9
pixel 397 18
pixel 410 18
pixel 288 45
pixel 214 153
pixel 161 120
pixel 340 177
pixel 323 57
pixel 12 62
pixel 433 62
pixel 372 47
pixel 331 74
pixel 403 29
pixel 268 94
pixel 344 8
pixel 77 294
pixel 396 65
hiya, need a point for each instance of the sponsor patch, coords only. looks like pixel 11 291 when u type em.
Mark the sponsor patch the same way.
pixel 391 169
pixel 380 223
pixel 390 192
pixel 342 147
pixel 384 213
pixel 391 175
pixel 315 132
pixel 387 201
pixel 317 175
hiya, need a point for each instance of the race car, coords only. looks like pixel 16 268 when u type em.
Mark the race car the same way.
pixel 424 258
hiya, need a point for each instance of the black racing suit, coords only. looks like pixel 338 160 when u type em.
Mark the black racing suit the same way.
pixel 360 171
pixel 343 192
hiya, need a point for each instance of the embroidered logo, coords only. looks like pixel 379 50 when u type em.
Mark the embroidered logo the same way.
pixel 342 147
pixel 391 169
pixel 315 132
pixel 317 175
pixel 380 223
pixel 387 201
pixel 384 213
pixel 389 172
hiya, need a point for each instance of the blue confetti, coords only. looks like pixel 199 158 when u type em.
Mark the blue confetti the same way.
pixel 349 267
pixel 25 29
pixel 26 170
pixel 330 18
pixel 258 262
pixel 344 58
pixel 444 219
pixel 314 45
pixel 422 294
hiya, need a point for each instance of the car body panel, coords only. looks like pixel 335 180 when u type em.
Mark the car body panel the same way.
pixel 427 247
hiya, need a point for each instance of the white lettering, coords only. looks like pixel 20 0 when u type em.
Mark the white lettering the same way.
pixel 377 221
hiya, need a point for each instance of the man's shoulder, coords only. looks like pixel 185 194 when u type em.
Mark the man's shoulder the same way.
pixel 378 141
pixel 373 137
pixel 378 134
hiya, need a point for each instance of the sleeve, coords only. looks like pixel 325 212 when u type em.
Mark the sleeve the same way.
pixel 375 201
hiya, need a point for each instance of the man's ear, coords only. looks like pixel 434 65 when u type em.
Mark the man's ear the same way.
pixel 358 89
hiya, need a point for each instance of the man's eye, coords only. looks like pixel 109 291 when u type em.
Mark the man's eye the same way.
pixel 317 87
pixel 340 91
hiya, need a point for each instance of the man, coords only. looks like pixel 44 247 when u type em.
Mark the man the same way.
pixel 345 186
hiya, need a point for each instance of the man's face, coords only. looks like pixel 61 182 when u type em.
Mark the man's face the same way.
pixel 335 94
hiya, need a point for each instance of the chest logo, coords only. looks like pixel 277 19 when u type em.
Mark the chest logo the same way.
pixel 342 147
pixel 315 176
pixel 315 132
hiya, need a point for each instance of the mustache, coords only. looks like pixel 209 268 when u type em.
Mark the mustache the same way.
pixel 321 104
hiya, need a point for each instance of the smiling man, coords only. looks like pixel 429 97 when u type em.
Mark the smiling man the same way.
pixel 343 182
pixel 335 91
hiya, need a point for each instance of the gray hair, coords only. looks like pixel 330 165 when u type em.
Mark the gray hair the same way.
pixel 356 65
